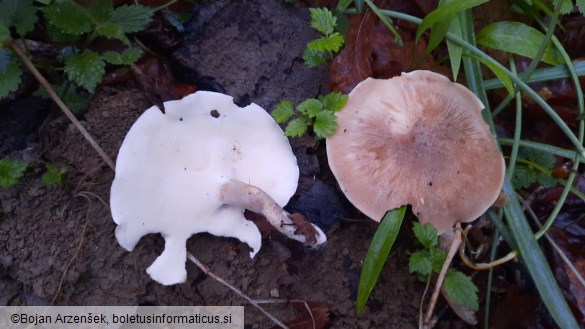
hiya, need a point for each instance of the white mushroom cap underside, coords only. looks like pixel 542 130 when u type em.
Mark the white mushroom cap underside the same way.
pixel 417 139
pixel 171 166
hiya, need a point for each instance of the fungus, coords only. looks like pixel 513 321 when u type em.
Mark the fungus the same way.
pixel 194 169
pixel 417 139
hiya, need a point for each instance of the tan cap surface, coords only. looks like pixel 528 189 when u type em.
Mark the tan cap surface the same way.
pixel 417 139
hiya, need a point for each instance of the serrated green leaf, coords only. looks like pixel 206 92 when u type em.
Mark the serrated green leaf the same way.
pixel 426 234
pixel 69 17
pixel 85 69
pixel 420 263
pixel 10 78
pixel 132 18
pixel 283 111
pixel 313 58
pixel 378 254
pixel 333 101
pixel 296 128
pixel 322 20
pixel 53 175
pixel 523 177
pixel 581 6
pixel 445 12
pixel 310 107
pixel 126 57
pixel 544 159
pixel 57 35
pixel 10 171
pixel 101 11
pixel 21 14
pixel 517 38
pixel 566 6
pixel 437 258
pixel 461 289
pixel 112 31
pixel 325 124
pixel 331 42
pixel 546 180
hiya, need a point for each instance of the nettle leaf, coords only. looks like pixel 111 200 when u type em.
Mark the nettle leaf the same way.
pixel 420 263
pixel 296 128
pixel 112 31
pixel 523 177
pixel 101 10
pixel 322 20
pixel 126 57
pixel 283 111
pixel 437 258
pixel 22 14
pixel 566 6
pixel 53 175
pixel 313 58
pixel 11 171
pixel 325 124
pixel 426 234
pixel 69 17
pixel 310 107
pixel 57 35
pixel 85 69
pixel 581 5
pixel 333 101
pixel 461 289
pixel 331 42
pixel 132 18
pixel 517 38
pixel 10 76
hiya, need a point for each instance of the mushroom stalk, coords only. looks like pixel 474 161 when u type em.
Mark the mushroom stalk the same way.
pixel 237 193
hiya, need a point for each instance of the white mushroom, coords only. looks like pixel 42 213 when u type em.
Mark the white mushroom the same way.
pixel 195 169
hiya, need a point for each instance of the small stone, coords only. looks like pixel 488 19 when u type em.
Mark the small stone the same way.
pixel 274 293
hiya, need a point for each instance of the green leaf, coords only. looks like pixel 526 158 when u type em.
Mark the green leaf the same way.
pixel 333 101
pixel 517 38
pixel 85 69
pixel 10 76
pixel 112 31
pixel 132 18
pixel 331 42
pixel 325 124
pixel 581 6
pixel 437 258
pixel 322 20
pixel 426 234
pixel 76 101
pixel 101 11
pixel 283 111
pixel 22 14
pixel 53 175
pixel 461 289
pixel 313 58
pixel 68 17
pixel 296 128
pixel 55 34
pixel 310 107
pixel 545 180
pixel 566 6
pixel 445 12
pixel 4 33
pixel 378 254
pixel 544 159
pixel 498 72
pixel 455 51
pixel 523 177
pixel 11 171
pixel 420 263
pixel 126 57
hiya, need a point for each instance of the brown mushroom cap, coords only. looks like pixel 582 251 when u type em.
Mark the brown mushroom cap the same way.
pixel 417 139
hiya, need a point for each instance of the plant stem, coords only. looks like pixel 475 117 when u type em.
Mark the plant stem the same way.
pixel 41 79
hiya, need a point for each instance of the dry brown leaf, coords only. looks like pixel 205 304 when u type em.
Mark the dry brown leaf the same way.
pixel 320 316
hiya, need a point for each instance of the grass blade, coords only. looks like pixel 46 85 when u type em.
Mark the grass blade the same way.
pixel 378 254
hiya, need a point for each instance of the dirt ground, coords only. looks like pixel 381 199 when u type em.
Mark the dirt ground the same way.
pixel 57 243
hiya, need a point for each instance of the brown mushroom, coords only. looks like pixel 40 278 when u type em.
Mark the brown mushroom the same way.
pixel 417 139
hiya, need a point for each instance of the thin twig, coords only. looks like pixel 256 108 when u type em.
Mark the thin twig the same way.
pixel 41 79
pixel 287 301
pixel 234 289
pixel 483 266
pixel 452 251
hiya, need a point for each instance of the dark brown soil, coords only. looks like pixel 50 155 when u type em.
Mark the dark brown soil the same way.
pixel 57 243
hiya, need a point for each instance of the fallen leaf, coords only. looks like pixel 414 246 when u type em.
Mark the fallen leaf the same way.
pixel 318 318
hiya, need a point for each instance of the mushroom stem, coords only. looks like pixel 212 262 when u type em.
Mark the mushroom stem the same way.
pixel 294 226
